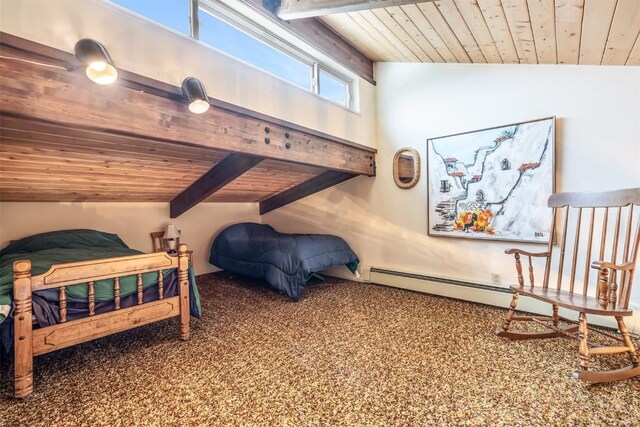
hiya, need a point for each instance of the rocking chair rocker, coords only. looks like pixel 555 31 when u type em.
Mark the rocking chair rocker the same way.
pixel 612 287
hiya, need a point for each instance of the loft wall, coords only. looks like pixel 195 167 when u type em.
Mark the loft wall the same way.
pixel 150 50
pixel 147 48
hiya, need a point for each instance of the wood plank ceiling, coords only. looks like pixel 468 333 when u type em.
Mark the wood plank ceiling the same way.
pixel 589 32
pixel 49 162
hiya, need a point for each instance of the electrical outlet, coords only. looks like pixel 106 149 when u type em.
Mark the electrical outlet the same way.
pixel 496 279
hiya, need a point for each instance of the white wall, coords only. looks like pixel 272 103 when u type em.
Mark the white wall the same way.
pixel 150 50
pixel 131 221
pixel 598 148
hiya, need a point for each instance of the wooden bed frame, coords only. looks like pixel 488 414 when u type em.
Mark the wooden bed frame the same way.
pixel 29 342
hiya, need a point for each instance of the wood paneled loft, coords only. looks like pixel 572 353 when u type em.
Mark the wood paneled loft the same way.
pixel 64 138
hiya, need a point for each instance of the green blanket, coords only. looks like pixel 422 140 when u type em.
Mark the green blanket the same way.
pixel 45 250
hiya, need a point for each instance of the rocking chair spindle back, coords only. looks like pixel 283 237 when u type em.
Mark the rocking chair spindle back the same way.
pixel 581 214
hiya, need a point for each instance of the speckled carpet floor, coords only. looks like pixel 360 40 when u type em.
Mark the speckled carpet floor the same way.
pixel 346 354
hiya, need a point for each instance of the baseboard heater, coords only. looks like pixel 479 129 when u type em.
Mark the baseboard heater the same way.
pixel 479 293
pixel 440 280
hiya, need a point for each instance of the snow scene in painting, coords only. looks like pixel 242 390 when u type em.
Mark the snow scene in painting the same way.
pixel 493 183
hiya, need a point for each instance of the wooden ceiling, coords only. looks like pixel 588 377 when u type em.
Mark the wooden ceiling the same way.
pixel 589 32
pixel 48 162
pixel 66 139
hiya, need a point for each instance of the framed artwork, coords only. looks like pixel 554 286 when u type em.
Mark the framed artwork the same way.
pixel 492 183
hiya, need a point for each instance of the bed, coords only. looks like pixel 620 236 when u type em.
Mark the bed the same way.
pixel 66 287
pixel 285 261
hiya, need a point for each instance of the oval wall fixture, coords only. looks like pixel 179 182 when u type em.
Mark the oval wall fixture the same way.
pixel 100 66
pixel 406 167
pixel 195 95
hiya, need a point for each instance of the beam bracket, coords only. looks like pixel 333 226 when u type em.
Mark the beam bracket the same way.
pixel 307 188
pixel 230 168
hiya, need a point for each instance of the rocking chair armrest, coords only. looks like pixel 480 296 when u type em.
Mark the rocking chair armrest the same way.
pixel 605 265
pixel 525 253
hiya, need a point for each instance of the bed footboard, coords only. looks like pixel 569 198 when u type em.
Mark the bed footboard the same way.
pixel 29 343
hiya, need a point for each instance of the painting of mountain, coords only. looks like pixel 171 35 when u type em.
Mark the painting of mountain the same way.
pixel 492 183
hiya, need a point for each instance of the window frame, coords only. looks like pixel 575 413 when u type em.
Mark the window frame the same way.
pixel 233 18
pixel 336 76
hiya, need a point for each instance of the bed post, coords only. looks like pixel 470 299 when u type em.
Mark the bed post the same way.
pixel 183 278
pixel 23 340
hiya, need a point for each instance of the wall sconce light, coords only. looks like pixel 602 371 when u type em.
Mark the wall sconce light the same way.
pixel 100 66
pixel 171 236
pixel 195 95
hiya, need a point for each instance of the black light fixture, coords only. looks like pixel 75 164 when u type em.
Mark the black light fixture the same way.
pixel 195 95
pixel 100 66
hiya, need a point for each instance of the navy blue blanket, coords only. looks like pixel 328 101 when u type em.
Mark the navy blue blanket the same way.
pixel 285 261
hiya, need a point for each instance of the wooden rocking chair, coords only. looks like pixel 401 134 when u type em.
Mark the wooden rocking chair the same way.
pixel 609 296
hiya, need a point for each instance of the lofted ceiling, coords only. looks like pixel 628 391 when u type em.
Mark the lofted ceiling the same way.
pixel 589 32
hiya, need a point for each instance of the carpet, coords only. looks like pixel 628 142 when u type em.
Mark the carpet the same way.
pixel 347 354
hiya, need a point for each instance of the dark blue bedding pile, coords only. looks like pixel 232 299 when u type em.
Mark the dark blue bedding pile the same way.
pixel 285 261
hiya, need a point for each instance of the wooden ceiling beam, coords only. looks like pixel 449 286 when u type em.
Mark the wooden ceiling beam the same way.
pixel 230 168
pixel 307 188
pixel 136 106
pixel 297 9
pixel 63 138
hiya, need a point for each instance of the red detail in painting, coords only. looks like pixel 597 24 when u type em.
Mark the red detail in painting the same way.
pixel 476 221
